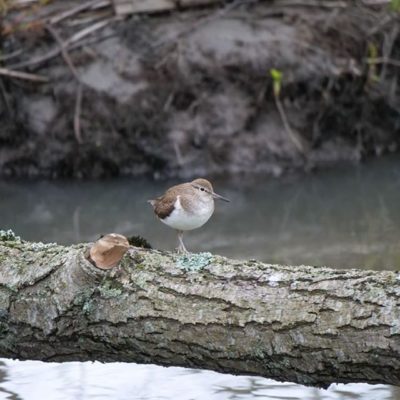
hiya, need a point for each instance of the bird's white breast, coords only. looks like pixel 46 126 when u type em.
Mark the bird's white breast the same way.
pixel 185 220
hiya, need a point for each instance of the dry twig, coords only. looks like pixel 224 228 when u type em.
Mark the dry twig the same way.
pixel 77 114
pixel 81 7
pixel 68 43
pixel 218 14
pixel 71 66
pixel 5 97
pixel 384 60
pixel 64 51
pixel 9 56
pixel 23 75
pixel 313 3
pixel 294 138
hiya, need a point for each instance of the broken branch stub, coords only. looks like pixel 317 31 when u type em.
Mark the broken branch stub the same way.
pixel 108 251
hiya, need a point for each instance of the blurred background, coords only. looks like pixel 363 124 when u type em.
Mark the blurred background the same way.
pixel 291 108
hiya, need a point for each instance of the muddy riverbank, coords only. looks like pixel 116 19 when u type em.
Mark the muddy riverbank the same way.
pixel 190 93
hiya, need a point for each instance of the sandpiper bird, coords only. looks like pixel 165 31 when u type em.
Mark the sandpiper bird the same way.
pixel 186 206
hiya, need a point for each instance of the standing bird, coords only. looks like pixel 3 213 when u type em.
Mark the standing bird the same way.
pixel 186 206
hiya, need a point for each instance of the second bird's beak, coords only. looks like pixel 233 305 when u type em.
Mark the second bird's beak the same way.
pixel 217 196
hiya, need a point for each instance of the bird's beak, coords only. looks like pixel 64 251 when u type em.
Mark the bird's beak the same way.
pixel 217 196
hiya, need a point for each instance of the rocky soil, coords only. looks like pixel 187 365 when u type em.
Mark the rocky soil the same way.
pixel 190 93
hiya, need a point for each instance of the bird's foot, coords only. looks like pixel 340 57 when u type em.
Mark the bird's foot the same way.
pixel 181 246
pixel 181 250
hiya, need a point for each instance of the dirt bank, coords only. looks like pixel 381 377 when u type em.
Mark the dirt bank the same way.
pixel 190 93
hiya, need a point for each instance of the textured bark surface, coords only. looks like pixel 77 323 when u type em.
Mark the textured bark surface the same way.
pixel 303 324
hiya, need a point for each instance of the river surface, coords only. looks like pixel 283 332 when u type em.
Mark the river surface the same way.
pixel 345 217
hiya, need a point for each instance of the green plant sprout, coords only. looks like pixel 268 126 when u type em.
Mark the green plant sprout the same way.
pixel 395 5
pixel 276 76
pixel 372 57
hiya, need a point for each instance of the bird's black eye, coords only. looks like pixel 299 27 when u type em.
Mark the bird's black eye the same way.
pixel 202 189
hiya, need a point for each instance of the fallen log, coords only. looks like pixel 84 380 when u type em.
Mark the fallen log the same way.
pixel 309 325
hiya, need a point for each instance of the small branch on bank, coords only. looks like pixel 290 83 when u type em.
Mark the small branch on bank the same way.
pixel 277 86
pixel 6 57
pixel 313 3
pixel 383 60
pixel 294 137
pixel 376 2
pixel 22 3
pixel 203 21
pixel 75 10
pixel 64 52
pixel 77 114
pixel 23 75
pixel 72 42
pixel 71 66
pixel 129 7
pixel 5 97
pixel 89 30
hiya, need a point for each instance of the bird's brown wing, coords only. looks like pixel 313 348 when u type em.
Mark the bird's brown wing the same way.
pixel 164 205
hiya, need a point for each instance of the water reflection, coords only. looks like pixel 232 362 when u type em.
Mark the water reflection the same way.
pixel 5 393
pixel 344 217
pixel 34 380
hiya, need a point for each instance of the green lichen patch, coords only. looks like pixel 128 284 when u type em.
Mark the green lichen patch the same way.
pixel 9 236
pixel 39 246
pixel 4 301
pixel 194 262
pixel 3 329
pixel 110 289
pixel 136 258
pixel 258 353
pixel 88 306
pixel 125 263
pixel 155 259
pixel 85 300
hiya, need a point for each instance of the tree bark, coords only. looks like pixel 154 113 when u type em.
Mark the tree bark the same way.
pixel 303 324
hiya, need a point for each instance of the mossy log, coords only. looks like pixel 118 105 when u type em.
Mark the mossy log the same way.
pixel 304 324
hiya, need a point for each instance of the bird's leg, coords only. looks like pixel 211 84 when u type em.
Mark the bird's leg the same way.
pixel 181 247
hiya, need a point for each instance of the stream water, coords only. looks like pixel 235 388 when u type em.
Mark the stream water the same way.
pixel 345 217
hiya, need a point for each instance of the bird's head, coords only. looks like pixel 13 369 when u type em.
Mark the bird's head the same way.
pixel 205 189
